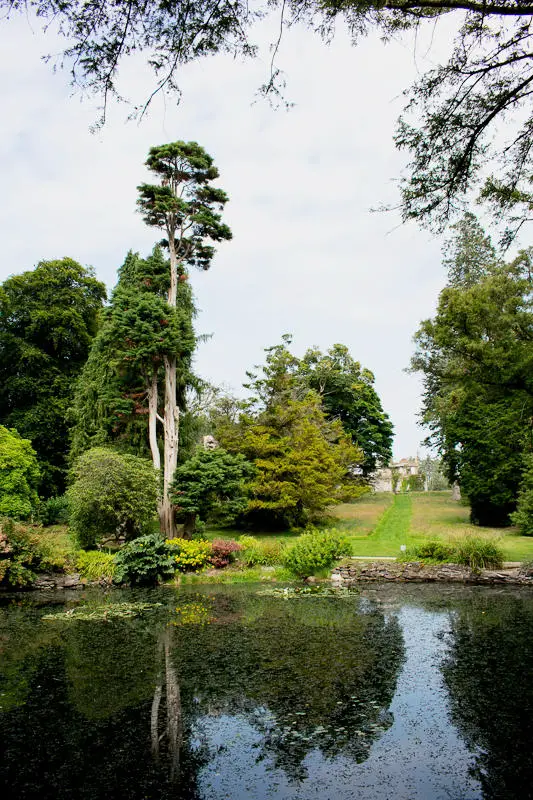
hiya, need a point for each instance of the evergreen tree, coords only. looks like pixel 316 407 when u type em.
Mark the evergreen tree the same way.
pixel 186 206
pixel 476 357
pixel 118 399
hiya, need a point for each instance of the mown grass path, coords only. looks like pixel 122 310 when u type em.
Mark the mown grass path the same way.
pixel 393 527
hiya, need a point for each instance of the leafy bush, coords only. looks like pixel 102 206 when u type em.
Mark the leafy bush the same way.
pixel 95 565
pixel 475 552
pixel 54 511
pixel 478 553
pixel 260 553
pixel 19 475
pixel 435 551
pixel 210 485
pixel 190 555
pixel 24 551
pixel 144 562
pixel 314 551
pixel 523 516
pixel 113 495
pixel 224 552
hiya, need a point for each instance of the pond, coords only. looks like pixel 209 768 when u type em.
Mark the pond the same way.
pixel 404 692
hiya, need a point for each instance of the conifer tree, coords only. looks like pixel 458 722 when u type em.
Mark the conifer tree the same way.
pixel 187 208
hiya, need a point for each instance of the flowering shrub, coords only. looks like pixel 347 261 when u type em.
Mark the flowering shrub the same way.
pixel 189 555
pixel 315 550
pixel 224 552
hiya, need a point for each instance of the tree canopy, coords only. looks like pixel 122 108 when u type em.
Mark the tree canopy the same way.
pixel 19 475
pixel 476 359
pixel 453 110
pixel 48 318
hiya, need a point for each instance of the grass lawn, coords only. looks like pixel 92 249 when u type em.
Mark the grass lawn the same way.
pixel 409 519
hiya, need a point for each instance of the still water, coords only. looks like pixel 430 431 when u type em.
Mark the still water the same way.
pixel 401 692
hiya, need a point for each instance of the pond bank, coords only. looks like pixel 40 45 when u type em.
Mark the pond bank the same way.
pixel 353 573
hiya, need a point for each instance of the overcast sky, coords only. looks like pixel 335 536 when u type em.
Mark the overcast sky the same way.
pixel 308 257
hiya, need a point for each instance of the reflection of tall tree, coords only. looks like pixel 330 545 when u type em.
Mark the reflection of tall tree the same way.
pixel 174 716
pixel 489 674
pixel 82 730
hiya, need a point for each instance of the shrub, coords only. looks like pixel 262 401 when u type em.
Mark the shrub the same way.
pixel 523 516
pixel 23 551
pixel 113 495
pixel 224 552
pixel 144 562
pixel 478 553
pixel 260 553
pixel 19 474
pixel 95 565
pixel 190 555
pixel 54 511
pixel 314 551
pixel 429 551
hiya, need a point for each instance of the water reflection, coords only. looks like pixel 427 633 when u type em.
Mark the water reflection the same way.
pixel 229 694
pixel 489 674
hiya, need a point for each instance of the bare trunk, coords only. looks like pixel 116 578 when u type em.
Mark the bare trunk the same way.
pixel 152 422
pixel 171 414
pixel 171 438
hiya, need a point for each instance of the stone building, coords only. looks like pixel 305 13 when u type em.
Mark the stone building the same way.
pixel 382 479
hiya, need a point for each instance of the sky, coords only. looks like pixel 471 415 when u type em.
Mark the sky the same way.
pixel 308 255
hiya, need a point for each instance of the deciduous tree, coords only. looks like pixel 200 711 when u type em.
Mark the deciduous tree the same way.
pixel 48 318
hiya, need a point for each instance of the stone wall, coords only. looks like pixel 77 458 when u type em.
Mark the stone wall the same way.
pixel 351 573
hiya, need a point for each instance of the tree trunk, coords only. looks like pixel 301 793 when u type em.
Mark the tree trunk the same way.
pixel 171 414
pixel 171 439
pixel 152 421
pixel 189 526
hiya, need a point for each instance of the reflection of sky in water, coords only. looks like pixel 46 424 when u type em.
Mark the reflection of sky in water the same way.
pixel 421 757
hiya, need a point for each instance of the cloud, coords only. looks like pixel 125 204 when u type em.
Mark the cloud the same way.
pixel 307 256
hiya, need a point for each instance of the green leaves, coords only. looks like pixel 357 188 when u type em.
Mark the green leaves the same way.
pixel 185 205
pixel 19 475
pixel 48 318
pixel 112 496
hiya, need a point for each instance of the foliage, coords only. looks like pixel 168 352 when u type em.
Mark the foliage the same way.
pixel 54 511
pixel 478 553
pixel 145 561
pixel 223 552
pixel 315 551
pixel 48 318
pixel 138 330
pixel 103 612
pixel 295 592
pixel 347 393
pixel 455 112
pixel 211 485
pixel 432 550
pixel 112 496
pixel 25 551
pixel 188 209
pixel 95 565
pixel 431 469
pixel 190 555
pixel 476 357
pixel 19 475
pixel 256 552
pixel 302 462
pixel 523 516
